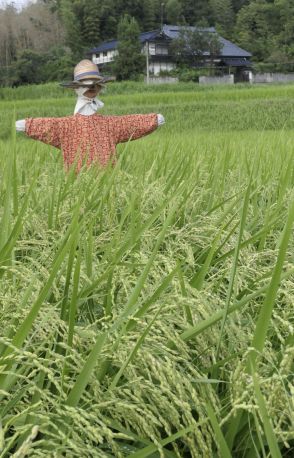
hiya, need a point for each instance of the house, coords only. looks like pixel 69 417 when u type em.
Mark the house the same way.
pixel 231 57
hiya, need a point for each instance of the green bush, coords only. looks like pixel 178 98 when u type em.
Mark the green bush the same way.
pixel 266 67
pixel 33 67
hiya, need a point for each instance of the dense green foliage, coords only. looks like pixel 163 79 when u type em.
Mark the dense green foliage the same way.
pixel 263 27
pixel 34 67
pixel 147 309
pixel 190 46
pixel 129 64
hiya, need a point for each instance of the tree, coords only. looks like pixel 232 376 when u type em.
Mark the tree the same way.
pixel 254 28
pixel 34 27
pixel 58 64
pixel 223 16
pixel 173 12
pixel 42 27
pixel 7 36
pixel 38 67
pixel 284 36
pixel 69 15
pixel 238 4
pixel 148 20
pixel 129 63
pixel 28 68
pixel 197 12
pixel 91 23
pixel 193 44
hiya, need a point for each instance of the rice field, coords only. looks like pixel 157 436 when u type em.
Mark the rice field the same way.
pixel 146 310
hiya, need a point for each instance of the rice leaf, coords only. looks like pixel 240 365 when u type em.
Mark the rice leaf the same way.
pixel 266 422
pixel 220 440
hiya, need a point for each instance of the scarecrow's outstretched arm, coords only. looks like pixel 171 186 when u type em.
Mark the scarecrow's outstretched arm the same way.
pixel 131 127
pixel 44 129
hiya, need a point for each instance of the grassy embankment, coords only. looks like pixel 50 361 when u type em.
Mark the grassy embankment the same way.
pixel 147 310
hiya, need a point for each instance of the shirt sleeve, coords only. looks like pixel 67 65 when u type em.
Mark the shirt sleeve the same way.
pixel 44 129
pixel 132 127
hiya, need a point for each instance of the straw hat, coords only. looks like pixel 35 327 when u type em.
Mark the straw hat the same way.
pixel 87 70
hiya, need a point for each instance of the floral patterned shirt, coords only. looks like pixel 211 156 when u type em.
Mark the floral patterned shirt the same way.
pixel 90 138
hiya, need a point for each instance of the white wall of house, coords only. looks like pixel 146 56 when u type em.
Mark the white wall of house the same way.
pixel 157 49
pixel 104 57
pixel 157 67
pixel 154 49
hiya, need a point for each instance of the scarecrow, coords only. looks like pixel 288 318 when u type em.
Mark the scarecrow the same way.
pixel 87 136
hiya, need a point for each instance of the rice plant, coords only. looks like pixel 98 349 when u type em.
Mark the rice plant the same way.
pixel 146 309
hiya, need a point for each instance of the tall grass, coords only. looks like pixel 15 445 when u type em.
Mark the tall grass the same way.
pixel 146 310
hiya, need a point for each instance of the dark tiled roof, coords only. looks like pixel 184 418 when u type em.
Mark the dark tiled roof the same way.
pixel 146 36
pixel 106 46
pixel 110 45
pixel 172 31
pixel 229 49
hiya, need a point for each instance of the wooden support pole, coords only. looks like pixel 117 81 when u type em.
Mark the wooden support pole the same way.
pixel 147 62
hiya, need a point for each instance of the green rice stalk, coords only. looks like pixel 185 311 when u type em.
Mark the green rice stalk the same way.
pixel 220 440
pixel 234 266
pixel 266 422
pixel 134 351
pixel 197 329
pixel 147 451
pixel 265 313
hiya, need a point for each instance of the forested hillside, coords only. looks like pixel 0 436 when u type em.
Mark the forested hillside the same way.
pixel 59 31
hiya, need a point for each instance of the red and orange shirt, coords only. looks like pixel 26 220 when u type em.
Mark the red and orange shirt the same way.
pixel 90 138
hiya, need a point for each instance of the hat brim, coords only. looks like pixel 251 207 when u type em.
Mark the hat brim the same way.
pixel 76 84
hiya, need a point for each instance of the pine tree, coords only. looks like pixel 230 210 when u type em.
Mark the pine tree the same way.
pixel 223 15
pixel 197 12
pixel 91 26
pixel 129 63
pixel 68 11
pixel 173 12
pixel 108 20
pixel 238 4
pixel 148 19
pixel 131 7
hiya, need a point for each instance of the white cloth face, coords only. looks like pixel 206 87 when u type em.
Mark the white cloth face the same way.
pixel 85 105
pixel 81 90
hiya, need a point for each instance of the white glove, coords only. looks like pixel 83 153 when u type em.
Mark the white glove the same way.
pixel 160 119
pixel 20 125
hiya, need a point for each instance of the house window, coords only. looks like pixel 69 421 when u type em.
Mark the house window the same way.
pixel 104 53
pixel 152 49
pixel 161 50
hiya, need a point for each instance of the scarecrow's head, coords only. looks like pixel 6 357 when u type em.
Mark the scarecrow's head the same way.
pixel 87 79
